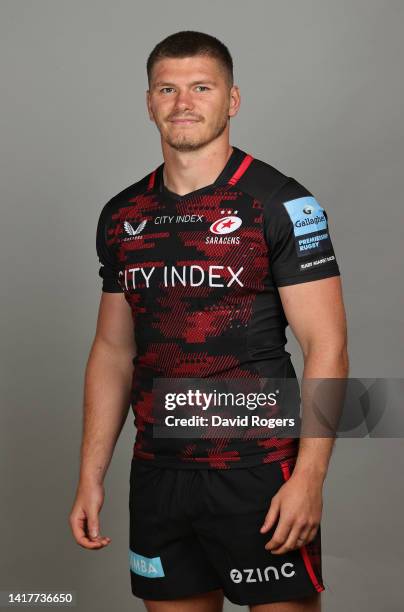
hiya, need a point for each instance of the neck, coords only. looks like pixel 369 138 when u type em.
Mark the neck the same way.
pixel 184 172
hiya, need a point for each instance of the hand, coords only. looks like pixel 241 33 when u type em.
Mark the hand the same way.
pixel 299 504
pixel 84 517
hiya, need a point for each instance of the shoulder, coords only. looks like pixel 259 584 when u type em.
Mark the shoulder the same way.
pixel 269 184
pixel 126 196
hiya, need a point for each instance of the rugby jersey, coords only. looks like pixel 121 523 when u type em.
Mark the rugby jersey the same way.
pixel 201 273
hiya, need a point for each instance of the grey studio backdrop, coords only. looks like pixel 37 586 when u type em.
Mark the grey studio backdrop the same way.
pixel 322 100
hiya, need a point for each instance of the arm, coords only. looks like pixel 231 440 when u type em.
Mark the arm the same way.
pixel 316 315
pixel 106 403
pixel 305 270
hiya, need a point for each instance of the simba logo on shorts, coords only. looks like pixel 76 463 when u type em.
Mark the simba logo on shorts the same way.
pixel 266 575
pixel 149 567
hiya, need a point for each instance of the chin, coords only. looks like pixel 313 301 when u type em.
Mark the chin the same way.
pixel 186 144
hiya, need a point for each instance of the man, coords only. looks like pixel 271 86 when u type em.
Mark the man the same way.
pixel 205 261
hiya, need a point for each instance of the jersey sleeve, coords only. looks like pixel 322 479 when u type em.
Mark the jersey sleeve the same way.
pixel 297 233
pixel 109 269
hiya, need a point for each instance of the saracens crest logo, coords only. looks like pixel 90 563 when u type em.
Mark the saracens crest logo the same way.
pixel 225 225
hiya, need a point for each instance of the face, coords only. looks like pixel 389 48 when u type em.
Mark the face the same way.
pixel 190 101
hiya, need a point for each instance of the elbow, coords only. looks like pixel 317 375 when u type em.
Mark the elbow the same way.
pixel 333 352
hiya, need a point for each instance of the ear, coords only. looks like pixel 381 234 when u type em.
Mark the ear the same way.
pixel 149 109
pixel 234 103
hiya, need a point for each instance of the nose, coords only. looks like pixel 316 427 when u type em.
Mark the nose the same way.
pixel 184 100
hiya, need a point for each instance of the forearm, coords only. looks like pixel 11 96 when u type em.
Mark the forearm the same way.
pixel 105 408
pixel 315 452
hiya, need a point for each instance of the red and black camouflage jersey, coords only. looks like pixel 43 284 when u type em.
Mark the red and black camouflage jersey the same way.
pixel 201 273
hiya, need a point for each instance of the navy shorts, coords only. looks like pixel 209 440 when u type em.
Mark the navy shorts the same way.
pixel 193 531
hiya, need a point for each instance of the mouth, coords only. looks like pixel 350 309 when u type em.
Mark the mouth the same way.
pixel 184 121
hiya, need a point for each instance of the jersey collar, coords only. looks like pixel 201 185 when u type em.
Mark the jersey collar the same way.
pixel 237 163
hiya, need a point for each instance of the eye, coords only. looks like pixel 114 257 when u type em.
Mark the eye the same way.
pixel 165 88
pixel 202 86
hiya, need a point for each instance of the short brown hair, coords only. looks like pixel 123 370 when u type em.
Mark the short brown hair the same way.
pixel 189 43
